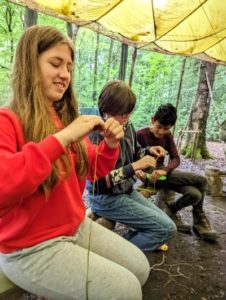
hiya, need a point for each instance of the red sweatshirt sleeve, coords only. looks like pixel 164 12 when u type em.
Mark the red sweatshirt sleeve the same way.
pixel 102 159
pixel 23 167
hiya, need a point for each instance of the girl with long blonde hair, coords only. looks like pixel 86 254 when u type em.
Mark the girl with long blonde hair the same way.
pixel 47 246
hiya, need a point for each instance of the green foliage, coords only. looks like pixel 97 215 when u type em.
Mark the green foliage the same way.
pixel 153 81
pixel 84 68
pixel 217 112
pixel 156 76
pixel 10 30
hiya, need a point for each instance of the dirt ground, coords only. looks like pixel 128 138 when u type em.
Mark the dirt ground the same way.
pixel 193 269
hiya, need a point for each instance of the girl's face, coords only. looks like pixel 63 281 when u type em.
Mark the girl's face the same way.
pixel 55 66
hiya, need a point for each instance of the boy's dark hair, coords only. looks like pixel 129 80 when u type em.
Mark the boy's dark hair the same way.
pixel 116 98
pixel 166 114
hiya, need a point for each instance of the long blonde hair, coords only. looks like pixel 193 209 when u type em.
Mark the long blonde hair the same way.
pixel 29 100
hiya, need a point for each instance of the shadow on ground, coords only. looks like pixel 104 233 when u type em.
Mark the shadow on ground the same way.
pixel 192 269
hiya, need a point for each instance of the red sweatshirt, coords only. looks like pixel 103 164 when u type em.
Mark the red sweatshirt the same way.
pixel 26 216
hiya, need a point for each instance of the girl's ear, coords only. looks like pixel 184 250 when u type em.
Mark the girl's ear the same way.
pixel 152 120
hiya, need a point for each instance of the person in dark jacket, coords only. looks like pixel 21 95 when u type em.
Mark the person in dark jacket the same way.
pixel 113 196
pixel 192 186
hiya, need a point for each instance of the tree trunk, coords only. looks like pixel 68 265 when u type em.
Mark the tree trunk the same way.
pixel 123 62
pixel 30 18
pixel 179 88
pixel 109 59
pixel 195 145
pixel 72 31
pixel 95 68
pixel 9 12
pixel 134 57
pixel 79 65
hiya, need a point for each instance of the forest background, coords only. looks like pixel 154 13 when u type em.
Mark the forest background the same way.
pixel 156 79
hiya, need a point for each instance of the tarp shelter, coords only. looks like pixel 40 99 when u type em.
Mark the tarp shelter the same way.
pixel 194 28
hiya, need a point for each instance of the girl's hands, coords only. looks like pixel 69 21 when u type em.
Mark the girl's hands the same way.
pixel 144 162
pixel 84 124
pixel 79 128
pixel 113 132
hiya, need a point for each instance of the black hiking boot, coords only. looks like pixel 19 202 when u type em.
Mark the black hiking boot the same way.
pixel 202 227
pixel 175 216
pixel 109 224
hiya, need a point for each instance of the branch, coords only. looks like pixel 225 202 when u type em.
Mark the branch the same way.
pixel 4 67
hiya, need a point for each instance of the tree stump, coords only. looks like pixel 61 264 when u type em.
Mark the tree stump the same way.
pixel 215 181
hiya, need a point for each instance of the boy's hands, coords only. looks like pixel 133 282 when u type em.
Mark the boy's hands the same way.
pixel 157 151
pixel 140 174
pixel 156 174
pixel 143 163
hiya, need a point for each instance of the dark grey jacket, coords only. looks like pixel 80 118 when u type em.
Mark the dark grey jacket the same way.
pixel 122 178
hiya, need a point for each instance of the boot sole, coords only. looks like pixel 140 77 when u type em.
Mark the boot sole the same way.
pixel 184 230
pixel 204 237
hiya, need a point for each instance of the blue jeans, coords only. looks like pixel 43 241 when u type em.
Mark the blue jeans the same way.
pixel 151 226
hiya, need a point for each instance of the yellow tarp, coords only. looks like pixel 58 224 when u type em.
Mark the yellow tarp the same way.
pixel 188 27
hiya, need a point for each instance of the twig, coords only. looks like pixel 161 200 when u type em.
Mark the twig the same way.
pixel 185 264
pixel 161 263
pixel 167 272
pixel 171 274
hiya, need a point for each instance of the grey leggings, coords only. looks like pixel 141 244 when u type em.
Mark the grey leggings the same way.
pixel 57 268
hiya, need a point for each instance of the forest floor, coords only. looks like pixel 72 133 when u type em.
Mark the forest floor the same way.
pixel 191 269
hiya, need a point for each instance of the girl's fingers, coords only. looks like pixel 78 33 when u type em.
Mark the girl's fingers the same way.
pixel 113 129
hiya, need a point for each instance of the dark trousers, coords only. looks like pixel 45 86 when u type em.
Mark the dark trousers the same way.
pixel 192 187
